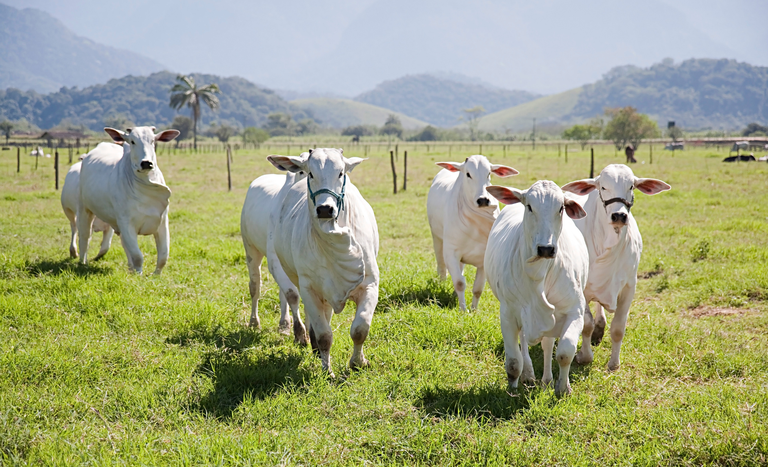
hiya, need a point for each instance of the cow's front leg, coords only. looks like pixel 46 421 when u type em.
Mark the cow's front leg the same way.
pixel 585 354
pixel 566 348
pixel 130 241
pixel 456 269
pixel 106 242
pixel 84 224
pixel 619 325
pixel 317 311
pixel 477 287
pixel 366 305
pixel 547 345
pixel 600 322
pixel 527 376
pixel 163 244
pixel 513 361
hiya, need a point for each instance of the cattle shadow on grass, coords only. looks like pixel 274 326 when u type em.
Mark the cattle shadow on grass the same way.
pixel 433 292
pixel 64 266
pixel 486 403
pixel 235 340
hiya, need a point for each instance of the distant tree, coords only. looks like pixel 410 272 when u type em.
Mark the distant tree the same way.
pixel 306 126
pixel 186 93
pixel 184 124
pixel 428 133
pixel 357 130
pixel 119 121
pixel 280 124
pixel 223 132
pixel 627 126
pixel 755 129
pixel 255 135
pixel 392 127
pixel 472 116
pixel 6 128
pixel 675 133
pixel 584 132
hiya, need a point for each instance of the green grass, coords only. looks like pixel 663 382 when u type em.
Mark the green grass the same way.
pixel 99 366
pixel 340 113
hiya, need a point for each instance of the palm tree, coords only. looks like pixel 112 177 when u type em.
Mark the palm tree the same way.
pixel 187 93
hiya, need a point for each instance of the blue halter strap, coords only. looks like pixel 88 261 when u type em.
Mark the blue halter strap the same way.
pixel 338 197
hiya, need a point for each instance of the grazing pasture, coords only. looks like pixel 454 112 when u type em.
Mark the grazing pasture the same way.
pixel 101 366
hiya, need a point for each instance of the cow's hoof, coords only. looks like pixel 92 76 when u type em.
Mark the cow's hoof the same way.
pixel 563 391
pixel 284 328
pixel 597 334
pixel 72 253
pixel 363 363
pixel 254 324
pixel 613 366
pixel 583 359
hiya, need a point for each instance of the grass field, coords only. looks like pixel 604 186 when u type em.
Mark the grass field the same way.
pixel 98 366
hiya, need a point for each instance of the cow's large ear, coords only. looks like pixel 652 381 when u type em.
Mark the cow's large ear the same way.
pixel 506 195
pixel 452 166
pixel 116 135
pixel 352 162
pixel 503 171
pixel 580 187
pixel 574 209
pixel 651 186
pixel 167 135
pixel 288 163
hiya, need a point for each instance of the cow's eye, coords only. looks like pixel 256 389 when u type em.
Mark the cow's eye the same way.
pixel 133 142
pixel 603 188
pixel 561 209
pixel 529 208
pixel 342 173
pixel 468 175
pixel 301 172
pixel 310 175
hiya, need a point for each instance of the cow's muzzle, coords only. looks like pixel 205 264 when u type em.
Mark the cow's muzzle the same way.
pixel 147 165
pixel 546 251
pixel 619 218
pixel 325 212
pixel 483 202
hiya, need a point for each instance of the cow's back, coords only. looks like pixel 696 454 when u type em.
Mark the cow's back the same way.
pixel 259 202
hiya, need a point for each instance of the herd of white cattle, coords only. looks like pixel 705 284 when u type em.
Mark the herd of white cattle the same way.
pixel 546 256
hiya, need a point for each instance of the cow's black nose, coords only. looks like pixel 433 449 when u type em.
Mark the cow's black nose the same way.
pixel 146 165
pixel 483 201
pixel 546 251
pixel 619 217
pixel 324 212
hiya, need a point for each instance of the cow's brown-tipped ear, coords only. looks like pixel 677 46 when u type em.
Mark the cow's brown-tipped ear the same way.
pixel 503 171
pixel 574 209
pixel 167 135
pixel 506 195
pixel 580 187
pixel 651 186
pixel 451 166
pixel 116 135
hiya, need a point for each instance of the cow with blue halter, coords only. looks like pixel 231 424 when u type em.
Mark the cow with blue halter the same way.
pixel 325 238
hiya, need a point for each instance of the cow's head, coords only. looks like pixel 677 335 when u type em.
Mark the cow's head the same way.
pixel 139 144
pixel 326 170
pixel 544 205
pixel 475 176
pixel 615 188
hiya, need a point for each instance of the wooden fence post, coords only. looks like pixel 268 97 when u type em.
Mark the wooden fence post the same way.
pixel 566 153
pixel 70 154
pixel 592 163
pixel 650 147
pixel 229 173
pixel 18 159
pixel 405 169
pixel 394 174
pixel 56 167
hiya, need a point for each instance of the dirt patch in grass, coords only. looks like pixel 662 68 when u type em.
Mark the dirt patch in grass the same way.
pixel 710 311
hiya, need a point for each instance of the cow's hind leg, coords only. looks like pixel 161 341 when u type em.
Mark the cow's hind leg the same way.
pixel 253 259
pixel 599 324
pixel 366 304
pixel 477 287
pixel 73 228
pixel 285 319
pixel 437 243
pixel 585 354
pixel 106 242
pixel 84 223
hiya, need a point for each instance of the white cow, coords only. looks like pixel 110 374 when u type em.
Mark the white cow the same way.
pixel 124 187
pixel 325 238
pixel 614 245
pixel 70 198
pixel 264 195
pixel 461 213
pixel 537 265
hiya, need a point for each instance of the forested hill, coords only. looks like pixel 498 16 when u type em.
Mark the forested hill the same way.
pixel 142 100
pixel 696 93
pixel 39 52
pixel 440 101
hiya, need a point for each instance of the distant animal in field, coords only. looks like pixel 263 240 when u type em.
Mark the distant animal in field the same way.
pixel 124 187
pixel 39 152
pixel 356 139
pixel 461 213
pixel 739 146
pixel 265 194
pixel 70 199
pixel 629 151
pixel 537 265
pixel 326 239
pixel 615 245
pixel 674 146
pixel 740 158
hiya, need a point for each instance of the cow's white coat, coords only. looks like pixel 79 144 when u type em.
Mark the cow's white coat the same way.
pixel 461 213
pixel 70 199
pixel 541 298
pixel 265 194
pixel 123 186
pixel 331 260
pixel 615 245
